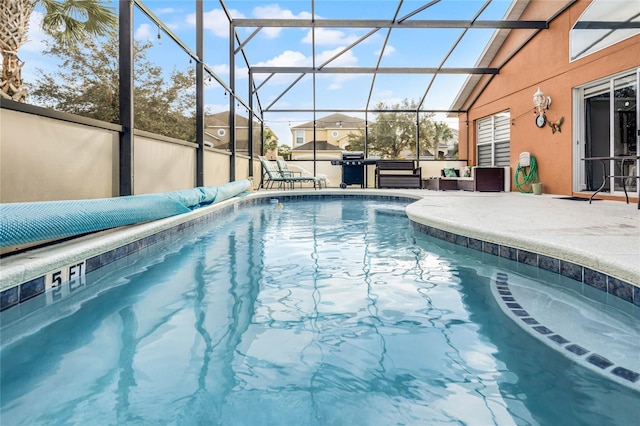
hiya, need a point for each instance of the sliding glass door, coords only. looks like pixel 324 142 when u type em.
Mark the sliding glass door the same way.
pixel 608 127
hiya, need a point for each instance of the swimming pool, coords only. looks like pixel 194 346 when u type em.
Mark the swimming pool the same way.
pixel 302 312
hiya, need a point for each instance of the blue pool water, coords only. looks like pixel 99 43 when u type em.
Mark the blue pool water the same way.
pixel 300 313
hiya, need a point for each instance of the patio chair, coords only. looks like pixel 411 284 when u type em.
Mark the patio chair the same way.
pixel 295 170
pixel 272 175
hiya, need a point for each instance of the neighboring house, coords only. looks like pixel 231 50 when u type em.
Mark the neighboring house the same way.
pixel 216 132
pixel 332 130
pixel 592 77
pixel 324 151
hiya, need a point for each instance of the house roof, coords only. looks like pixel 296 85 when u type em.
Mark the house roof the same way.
pixel 488 55
pixel 334 121
pixel 602 23
pixel 320 146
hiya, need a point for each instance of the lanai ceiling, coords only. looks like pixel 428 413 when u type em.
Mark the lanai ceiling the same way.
pixel 424 51
pixel 349 56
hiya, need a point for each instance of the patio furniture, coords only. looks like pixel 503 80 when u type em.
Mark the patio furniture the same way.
pixel 272 175
pixel 440 184
pixel 625 178
pixel 298 171
pixel 481 179
pixel 398 174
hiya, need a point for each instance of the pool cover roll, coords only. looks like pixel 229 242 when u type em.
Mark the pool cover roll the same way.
pixel 23 223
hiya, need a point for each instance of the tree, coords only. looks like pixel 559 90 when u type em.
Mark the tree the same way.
pixel 67 21
pixel 393 133
pixel 86 84
pixel 284 151
pixel 442 134
pixel 269 140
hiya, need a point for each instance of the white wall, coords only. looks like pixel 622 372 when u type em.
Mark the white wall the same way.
pixel 162 166
pixel 47 159
pixel 44 159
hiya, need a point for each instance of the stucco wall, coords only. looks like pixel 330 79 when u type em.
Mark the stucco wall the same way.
pixel 44 159
pixel 216 167
pixel 544 62
pixel 161 166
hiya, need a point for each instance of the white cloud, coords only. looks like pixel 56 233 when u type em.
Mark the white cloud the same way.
pixel 347 59
pixel 275 12
pixel 387 51
pixel 339 80
pixel 288 58
pixel 145 32
pixel 328 37
pixel 220 69
pixel 36 37
pixel 215 20
pixel 291 58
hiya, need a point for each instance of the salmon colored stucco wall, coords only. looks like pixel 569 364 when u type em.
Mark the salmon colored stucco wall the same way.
pixel 543 62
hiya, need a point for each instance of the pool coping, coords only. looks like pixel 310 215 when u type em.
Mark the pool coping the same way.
pixel 33 272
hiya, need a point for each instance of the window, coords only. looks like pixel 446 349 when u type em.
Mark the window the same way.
pixel 494 142
pixel 222 132
pixel 299 138
pixel 334 133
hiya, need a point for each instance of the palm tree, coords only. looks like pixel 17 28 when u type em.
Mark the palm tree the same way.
pixel 67 21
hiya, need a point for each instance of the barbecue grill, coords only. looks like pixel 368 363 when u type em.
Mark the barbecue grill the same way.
pixel 352 168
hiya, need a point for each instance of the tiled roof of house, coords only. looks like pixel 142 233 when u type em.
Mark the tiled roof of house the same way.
pixel 333 121
pixel 320 146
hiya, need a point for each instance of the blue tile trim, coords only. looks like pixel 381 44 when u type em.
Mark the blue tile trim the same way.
pixel 31 289
pixel 9 297
pixel 501 281
pixel 613 286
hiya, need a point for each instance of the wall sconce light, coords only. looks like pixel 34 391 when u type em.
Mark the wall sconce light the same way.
pixel 541 104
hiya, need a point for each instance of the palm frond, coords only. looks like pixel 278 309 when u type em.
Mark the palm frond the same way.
pixel 71 21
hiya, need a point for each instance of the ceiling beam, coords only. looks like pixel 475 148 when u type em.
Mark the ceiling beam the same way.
pixel 606 25
pixel 381 23
pixel 371 70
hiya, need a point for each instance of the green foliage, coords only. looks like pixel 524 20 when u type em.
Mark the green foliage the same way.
pixel 86 83
pixel 269 141
pixel 393 133
pixel 71 21
pixel 284 151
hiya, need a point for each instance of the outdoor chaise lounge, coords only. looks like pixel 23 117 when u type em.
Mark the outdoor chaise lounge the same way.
pixel 296 170
pixel 273 175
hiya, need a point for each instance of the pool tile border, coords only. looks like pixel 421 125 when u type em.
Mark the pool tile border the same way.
pixel 598 280
pixel 534 327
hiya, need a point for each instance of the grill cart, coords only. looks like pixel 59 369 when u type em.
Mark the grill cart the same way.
pixel 352 168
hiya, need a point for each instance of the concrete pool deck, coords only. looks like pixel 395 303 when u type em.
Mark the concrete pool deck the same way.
pixel 603 235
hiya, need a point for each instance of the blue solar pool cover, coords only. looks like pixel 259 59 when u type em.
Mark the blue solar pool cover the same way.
pixel 23 223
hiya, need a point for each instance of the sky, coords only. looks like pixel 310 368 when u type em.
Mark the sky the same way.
pixel 293 47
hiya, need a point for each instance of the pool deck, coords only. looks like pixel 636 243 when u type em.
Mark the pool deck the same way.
pixel 603 235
